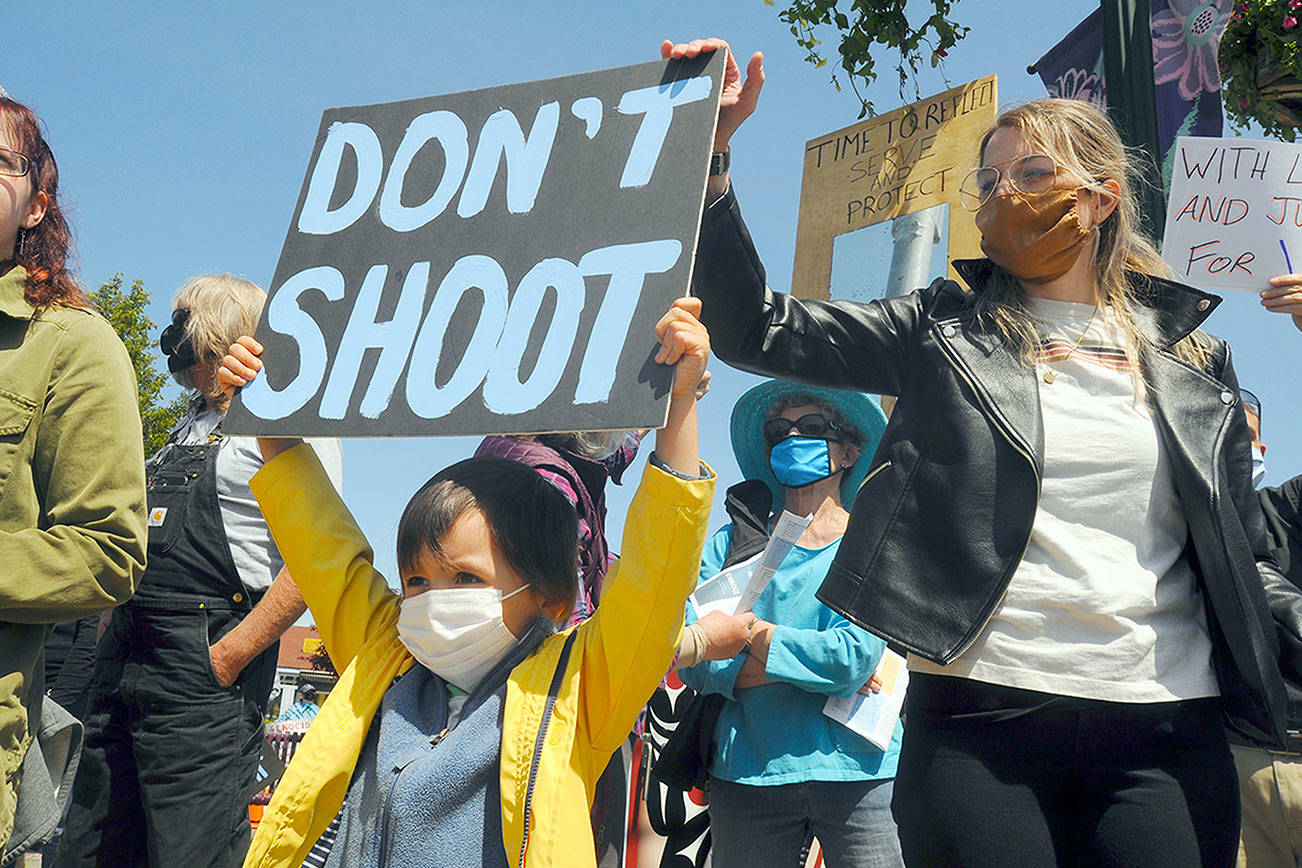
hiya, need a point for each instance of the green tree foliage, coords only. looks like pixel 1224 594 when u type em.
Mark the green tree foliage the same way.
pixel 125 311
pixel 866 26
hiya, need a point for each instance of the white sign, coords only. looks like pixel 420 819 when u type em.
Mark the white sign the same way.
pixel 1234 218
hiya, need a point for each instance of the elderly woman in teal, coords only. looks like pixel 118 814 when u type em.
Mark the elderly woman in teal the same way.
pixel 781 769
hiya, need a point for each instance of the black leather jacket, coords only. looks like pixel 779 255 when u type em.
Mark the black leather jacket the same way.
pixel 945 513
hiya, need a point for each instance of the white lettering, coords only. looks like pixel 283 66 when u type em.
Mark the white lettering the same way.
pixel 285 316
pixel 425 397
pixel 316 217
pixel 450 132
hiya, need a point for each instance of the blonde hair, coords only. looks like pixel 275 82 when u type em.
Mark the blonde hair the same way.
pixel 222 308
pixel 1082 141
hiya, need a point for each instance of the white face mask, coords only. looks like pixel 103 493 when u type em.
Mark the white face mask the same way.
pixel 1258 465
pixel 457 633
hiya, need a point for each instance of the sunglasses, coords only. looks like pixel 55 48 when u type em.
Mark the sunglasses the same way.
pixel 809 425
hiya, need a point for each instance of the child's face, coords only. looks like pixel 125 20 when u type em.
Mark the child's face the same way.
pixel 471 560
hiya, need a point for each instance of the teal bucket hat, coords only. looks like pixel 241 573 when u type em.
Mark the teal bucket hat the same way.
pixel 752 452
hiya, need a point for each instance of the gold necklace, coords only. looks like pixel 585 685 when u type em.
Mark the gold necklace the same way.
pixel 1049 374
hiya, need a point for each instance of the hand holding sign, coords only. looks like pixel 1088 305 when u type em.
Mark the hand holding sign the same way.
pixel 1285 296
pixel 684 342
pixel 739 98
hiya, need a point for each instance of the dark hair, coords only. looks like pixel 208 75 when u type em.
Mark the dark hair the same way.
pixel 532 524
pixel 47 247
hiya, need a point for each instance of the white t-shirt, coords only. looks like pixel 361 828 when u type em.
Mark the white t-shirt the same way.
pixel 1103 605
pixel 252 549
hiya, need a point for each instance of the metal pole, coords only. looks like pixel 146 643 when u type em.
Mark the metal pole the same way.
pixel 914 235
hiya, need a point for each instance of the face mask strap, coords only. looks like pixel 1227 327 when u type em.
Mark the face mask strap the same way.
pixel 506 597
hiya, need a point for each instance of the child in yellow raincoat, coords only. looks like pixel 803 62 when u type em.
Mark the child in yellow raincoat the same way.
pixel 485 752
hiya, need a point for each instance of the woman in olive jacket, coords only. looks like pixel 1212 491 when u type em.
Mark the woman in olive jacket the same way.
pixel 1058 524
pixel 72 479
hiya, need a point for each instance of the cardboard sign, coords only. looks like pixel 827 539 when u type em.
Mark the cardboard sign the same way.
pixel 1234 218
pixel 489 262
pixel 881 168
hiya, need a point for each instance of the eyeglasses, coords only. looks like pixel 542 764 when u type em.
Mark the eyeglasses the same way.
pixel 13 163
pixel 1033 173
pixel 810 425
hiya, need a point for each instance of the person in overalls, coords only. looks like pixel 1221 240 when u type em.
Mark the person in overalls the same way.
pixel 185 668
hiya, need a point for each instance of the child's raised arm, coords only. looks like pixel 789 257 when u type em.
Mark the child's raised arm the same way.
pixel 322 545
pixel 684 342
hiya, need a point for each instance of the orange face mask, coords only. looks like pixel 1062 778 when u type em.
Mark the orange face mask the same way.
pixel 1034 236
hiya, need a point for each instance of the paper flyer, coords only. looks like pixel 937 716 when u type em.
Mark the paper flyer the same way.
pixel 736 589
pixel 874 715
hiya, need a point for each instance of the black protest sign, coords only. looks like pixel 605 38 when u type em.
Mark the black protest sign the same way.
pixel 491 261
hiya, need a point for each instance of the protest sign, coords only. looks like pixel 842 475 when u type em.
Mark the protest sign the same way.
pixel 1234 217
pixel 884 167
pixel 491 261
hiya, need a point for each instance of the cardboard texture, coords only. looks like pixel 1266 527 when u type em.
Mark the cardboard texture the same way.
pixel 894 164
pixel 1234 216
pixel 491 261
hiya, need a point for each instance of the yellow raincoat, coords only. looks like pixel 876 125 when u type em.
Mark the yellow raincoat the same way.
pixel 619 657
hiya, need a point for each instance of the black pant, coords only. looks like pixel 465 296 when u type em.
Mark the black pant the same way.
pixel 995 776
pixel 170 756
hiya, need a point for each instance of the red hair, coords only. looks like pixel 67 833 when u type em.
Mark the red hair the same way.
pixel 45 248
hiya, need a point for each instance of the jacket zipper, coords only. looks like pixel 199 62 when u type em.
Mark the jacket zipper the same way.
pixel 1025 453
pixel 541 741
pixel 876 470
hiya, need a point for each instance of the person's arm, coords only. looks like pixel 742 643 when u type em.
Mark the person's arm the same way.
pixel 88 468
pixel 321 545
pixel 836 661
pixel 737 98
pixel 1282 597
pixel 841 344
pixel 629 643
pixel 278 609
pixel 1285 296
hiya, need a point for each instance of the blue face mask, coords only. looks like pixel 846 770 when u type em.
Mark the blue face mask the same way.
pixel 799 461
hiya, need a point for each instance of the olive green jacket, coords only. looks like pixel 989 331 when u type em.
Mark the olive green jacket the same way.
pixel 72 494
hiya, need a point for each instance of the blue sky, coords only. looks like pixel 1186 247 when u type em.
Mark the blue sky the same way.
pixel 183 131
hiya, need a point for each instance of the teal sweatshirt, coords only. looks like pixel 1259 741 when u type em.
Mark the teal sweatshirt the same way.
pixel 777 733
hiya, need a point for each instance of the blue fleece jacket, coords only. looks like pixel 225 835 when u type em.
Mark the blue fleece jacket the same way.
pixel 777 733
pixel 421 796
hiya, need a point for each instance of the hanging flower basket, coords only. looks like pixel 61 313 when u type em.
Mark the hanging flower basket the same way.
pixel 1261 66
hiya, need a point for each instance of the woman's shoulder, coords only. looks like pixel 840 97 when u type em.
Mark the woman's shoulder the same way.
pixel 88 332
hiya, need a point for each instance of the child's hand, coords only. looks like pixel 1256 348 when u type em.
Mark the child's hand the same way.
pixel 238 368
pixel 240 365
pixel 1285 296
pixel 684 342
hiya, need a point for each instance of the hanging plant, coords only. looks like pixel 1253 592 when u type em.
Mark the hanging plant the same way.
pixel 1261 68
pixel 867 24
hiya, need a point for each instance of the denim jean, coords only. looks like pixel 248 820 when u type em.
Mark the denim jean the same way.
pixel 757 827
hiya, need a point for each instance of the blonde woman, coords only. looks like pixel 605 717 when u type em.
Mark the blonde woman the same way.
pixel 1059 522
pixel 185 668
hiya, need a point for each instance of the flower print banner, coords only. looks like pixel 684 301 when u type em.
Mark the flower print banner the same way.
pixel 1234 216
pixel 1186 38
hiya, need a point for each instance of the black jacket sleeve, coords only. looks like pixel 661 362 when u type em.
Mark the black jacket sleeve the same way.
pixel 1281 506
pixel 839 344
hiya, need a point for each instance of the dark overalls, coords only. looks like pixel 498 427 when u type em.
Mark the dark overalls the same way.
pixel 170 755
